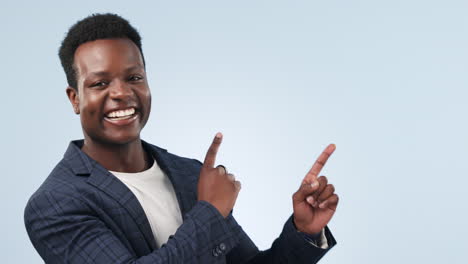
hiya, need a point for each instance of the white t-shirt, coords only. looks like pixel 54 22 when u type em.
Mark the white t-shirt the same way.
pixel 155 192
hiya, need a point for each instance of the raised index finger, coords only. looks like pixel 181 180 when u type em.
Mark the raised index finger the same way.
pixel 319 163
pixel 210 157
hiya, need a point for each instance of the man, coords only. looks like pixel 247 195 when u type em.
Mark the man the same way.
pixel 115 198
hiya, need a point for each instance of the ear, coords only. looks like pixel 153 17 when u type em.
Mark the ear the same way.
pixel 72 94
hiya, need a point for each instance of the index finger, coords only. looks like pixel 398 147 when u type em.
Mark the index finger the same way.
pixel 319 163
pixel 210 157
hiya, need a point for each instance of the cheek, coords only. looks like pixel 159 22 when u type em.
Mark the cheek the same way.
pixel 149 100
pixel 145 97
pixel 90 105
pixel 145 101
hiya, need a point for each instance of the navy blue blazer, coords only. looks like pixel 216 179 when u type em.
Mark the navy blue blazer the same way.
pixel 83 214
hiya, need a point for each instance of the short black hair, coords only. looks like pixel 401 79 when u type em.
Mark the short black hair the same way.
pixel 94 27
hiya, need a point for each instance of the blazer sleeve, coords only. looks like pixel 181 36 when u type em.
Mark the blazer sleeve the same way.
pixel 291 246
pixel 64 229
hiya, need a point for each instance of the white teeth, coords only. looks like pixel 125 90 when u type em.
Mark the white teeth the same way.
pixel 122 113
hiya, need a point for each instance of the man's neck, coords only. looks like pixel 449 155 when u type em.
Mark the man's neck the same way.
pixel 130 157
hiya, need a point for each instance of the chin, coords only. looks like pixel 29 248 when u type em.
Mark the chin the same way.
pixel 122 140
pixel 117 138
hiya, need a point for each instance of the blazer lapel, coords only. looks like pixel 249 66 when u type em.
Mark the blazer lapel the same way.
pixel 105 181
pixel 182 178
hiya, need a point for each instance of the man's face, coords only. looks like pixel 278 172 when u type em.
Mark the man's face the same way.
pixel 113 98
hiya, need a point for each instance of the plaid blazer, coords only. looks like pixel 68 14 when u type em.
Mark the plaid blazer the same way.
pixel 83 214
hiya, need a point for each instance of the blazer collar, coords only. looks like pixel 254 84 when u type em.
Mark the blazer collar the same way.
pixel 79 162
pixel 82 165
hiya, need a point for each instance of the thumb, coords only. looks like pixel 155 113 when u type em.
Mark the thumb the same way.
pixel 305 190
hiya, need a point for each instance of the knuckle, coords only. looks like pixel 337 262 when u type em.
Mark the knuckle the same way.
pixel 320 162
pixel 231 177
pixel 211 151
pixel 302 186
pixel 294 196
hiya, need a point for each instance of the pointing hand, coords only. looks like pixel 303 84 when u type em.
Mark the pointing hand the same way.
pixel 315 202
pixel 215 185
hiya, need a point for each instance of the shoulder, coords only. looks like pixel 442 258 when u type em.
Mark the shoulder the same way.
pixel 174 160
pixel 61 182
pixel 61 179
pixel 186 162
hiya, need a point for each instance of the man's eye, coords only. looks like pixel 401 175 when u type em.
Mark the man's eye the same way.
pixel 98 84
pixel 135 78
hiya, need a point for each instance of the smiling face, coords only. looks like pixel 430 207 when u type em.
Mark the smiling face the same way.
pixel 113 97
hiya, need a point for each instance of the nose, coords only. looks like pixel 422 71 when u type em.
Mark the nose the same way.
pixel 120 90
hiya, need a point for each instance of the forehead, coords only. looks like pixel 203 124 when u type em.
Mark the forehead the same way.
pixel 106 55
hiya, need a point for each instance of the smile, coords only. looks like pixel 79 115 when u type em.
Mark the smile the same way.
pixel 121 117
pixel 121 114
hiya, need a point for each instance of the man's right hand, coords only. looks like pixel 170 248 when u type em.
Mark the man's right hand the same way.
pixel 215 185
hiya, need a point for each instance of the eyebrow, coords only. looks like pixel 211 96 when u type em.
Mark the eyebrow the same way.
pixel 104 73
pixel 99 74
pixel 136 67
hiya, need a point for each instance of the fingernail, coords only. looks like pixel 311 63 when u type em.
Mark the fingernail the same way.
pixel 314 184
pixel 323 205
pixel 219 135
pixel 310 200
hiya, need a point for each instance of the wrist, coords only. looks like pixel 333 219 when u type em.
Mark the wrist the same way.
pixel 307 231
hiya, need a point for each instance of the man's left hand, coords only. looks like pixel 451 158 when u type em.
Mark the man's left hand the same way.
pixel 315 202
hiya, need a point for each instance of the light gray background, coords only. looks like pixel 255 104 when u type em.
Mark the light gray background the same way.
pixel 383 80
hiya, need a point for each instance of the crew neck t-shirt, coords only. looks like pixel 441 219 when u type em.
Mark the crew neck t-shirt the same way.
pixel 155 192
